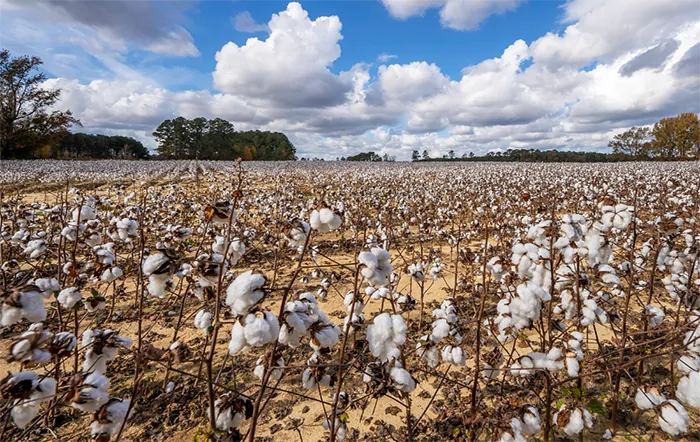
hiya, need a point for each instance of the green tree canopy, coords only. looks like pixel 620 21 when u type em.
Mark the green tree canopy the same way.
pixel 26 125
pixel 199 138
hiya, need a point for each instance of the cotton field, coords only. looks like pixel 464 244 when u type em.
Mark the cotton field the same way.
pixel 335 301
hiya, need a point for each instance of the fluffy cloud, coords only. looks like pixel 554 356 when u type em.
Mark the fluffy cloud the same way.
pixel 455 14
pixel 289 68
pixel 614 65
pixel 244 22
pixel 151 25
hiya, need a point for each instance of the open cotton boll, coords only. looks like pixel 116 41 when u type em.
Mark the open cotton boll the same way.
pixel 324 336
pixel 673 418
pixel 157 285
pixel 325 220
pixel 25 410
pixel 69 297
pixel 572 367
pixel 441 329
pixel 35 248
pixel 245 292
pixel 649 398
pixel 261 367
pixel 202 320
pixel 572 422
pixel 402 379
pixel 427 351
pixel 531 421
pixel 84 214
pixel 261 329
pixel 110 417
pixel 47 286
pixel 27 303
pixel 655 316
pixel 688 389
pixel 111 274
pixel 238 342
pixel 91 393
pixel 453 355
pixel 385 335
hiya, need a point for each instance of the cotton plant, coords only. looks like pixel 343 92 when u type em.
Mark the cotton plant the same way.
pixel 376 267
pixel 32 347
pixel 110 418
pixel 160 267
pixel 101 347
pixel 26 391
pixel 22 303
pixel 88 391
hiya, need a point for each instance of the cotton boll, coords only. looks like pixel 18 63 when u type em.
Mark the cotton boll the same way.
pixel 111 274
pixel 85 214
pixel 453 355
pixel 69 297
pixel 402 379
pixel 114 412
pixel 90 393
pixel 202 320
pixel 572 422
pixel 688 389
pixel 245 292
pixel 673 418
pixel 427 351
pixel 23 413
pixel 25 303
pixel 655 316
pixel 47 286
pixel 385 335
pixel 325 220
pixel 261 329
pixel 238 342
pixel 158 284
pixel 530 421
pixel 572 367
pixel 324 336
pixel 649 398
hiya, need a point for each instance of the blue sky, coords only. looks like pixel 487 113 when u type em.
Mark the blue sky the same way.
pixel 340 77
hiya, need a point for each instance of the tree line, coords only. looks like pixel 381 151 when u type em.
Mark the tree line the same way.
pixel 29 129
pixel 216 139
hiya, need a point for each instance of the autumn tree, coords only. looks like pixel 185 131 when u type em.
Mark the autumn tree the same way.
pixel 26 123
pixel 677 137
pixel 635 142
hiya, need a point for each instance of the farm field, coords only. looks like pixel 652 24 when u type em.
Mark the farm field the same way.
pixel 315 301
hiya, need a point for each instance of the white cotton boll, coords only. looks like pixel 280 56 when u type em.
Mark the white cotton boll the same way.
pixel 259 331
pixel 23 413
pixel 572 367
pixel 688 363
pixel 94 394
pixel 325 220
pixel 31 308
pixel 649 398
pixel 245 292
pixel 238 342
pixel 673 418
pixel 111 274
pixel 403 380
pixel 369 260
pixel 48 286
pixel 531 421
pixel 655 316
pixel 453 355
pixel 688 390
pixel 427 352
pixel 35 248
pixel 85 214
pixel 326 337
pixel 69 297
pixel 441 329
pixel 577 421
pixel 154 262
pixel 116 412
pixel 157 285
pixel 385 334
pixel 261 367
pixel 94 362
pixel 202 320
